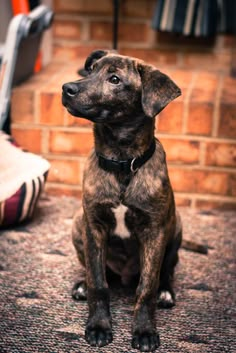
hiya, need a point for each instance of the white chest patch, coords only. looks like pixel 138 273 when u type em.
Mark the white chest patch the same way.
pixel 121 229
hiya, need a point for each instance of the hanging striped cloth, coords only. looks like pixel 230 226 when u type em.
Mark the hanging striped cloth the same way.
pixel 198 18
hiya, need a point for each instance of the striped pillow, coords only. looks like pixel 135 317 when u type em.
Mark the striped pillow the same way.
pixel 22 178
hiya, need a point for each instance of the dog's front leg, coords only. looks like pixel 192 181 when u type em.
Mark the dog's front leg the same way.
pixel 145 338
pixel 98 328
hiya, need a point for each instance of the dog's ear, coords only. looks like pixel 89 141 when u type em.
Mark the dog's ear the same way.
pixel 158 90
pixel 94 56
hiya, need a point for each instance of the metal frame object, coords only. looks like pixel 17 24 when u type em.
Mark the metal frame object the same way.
pixel 20 51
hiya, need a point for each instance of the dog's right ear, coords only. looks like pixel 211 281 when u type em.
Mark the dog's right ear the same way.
pixel 94 56
pixel 158 90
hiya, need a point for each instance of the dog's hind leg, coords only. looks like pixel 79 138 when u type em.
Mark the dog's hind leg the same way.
pixel 166 295
pixel 79 290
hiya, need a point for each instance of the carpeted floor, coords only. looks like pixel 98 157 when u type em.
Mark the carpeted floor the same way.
pixel 38 268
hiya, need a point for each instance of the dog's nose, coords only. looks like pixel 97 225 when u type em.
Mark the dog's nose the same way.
pixel 70 89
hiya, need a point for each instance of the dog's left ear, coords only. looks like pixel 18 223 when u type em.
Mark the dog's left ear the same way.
pixel 158 90
pixel 94 56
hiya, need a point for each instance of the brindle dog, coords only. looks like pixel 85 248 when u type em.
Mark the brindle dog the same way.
pixel 128 221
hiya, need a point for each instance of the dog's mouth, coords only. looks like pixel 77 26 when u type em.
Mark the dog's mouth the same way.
pixel 86 113
pixel 72 111
pixel 90 112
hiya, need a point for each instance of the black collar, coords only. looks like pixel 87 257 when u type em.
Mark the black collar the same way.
pixel 127 166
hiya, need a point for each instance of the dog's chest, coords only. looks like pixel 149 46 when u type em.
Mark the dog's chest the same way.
pixel 121 229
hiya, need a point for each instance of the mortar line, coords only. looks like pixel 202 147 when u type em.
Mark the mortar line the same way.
pixel 202 153
pixel 62 185
pixel 159 135
pixel 45 141
pixel 216 113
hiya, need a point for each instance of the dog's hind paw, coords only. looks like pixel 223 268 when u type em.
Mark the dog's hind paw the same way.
pixel 79 291
pixel 146 342
pixel 165 299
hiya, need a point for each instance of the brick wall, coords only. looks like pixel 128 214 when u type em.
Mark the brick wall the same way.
pixel 197 129
pixel 83 25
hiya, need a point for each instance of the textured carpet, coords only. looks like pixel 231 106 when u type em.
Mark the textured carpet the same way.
pixel 38 267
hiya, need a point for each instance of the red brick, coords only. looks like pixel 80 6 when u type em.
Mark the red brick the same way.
pixel 229 41
pixel 134 32
pixel 51 109
pixel 152 56
pixel 182 201
pixel 138 8
pixel 32 84
pixel 182 78
pixel 101 30
pixel 200 116
pixel 83 7
pixel 79 143
pixel 182 180
pixel 64 171
pixel 213 61
pixel 62 189
pixel 229 90
pixel 221 154
pixel 66 53
pixel 170 119
pixel 233 64
pixel 28 139
pixel 22 106
pixel 199 181
pixel 37 82
pixel 67 29
pixel 75 121
pixel 205 87
pixel 227 124
pixel 216 204
pixel 232 185
pixel 181 151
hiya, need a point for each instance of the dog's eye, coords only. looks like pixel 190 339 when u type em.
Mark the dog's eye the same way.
pixel 114 79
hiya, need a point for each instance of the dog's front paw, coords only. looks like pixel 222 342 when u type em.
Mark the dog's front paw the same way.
pixel 165 299
pixel 145 341
pixel 79 291
pixel 98 336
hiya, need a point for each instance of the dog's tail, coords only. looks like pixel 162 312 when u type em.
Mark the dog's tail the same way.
pixel 193 246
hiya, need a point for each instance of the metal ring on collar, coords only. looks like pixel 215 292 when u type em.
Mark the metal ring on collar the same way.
pixel 132 166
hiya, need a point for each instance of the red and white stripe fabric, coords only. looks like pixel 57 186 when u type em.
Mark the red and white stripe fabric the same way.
pixel 22 178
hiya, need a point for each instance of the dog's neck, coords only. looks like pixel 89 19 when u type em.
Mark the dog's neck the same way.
pixel 124 140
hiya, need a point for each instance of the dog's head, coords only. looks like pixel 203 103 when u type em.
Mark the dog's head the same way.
pixel 118 87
